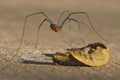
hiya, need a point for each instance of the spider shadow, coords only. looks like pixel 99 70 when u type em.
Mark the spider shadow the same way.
pixel 39 62
pixel 36 62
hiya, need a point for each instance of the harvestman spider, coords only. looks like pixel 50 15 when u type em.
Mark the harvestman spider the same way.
pixel 57 27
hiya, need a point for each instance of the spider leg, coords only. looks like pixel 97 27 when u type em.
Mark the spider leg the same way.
pixel 62 15
pixel 70 19
pixel 88 20
pixel 39 13
pixel 38 32
pixel 19 48
pixel 37 35
pixel 81 22
pixel 22 37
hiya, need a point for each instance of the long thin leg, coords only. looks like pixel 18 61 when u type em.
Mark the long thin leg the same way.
pixel 70 32
pixel 61 16
pixel 34 48
pixel 38 32
pixel 81 22
pixel 78 27
pixel 88 20
pixel 39 13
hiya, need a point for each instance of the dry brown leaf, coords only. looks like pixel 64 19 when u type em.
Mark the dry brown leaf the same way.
pixel 96 54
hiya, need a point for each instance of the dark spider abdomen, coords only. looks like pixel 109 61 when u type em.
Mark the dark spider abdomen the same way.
pixel 55 28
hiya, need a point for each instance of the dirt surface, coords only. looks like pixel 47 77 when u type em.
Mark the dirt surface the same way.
pixel 37 64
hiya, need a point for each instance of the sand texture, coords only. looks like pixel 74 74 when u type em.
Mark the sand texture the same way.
pixel 29 64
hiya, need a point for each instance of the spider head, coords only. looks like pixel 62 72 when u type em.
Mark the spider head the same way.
pixel 55 28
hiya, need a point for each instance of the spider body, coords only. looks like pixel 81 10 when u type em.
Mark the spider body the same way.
pixel 55 28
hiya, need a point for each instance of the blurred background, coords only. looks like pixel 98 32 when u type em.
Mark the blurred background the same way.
pixel 103 13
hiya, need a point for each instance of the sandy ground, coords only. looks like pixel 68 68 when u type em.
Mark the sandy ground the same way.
pixel 37 64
